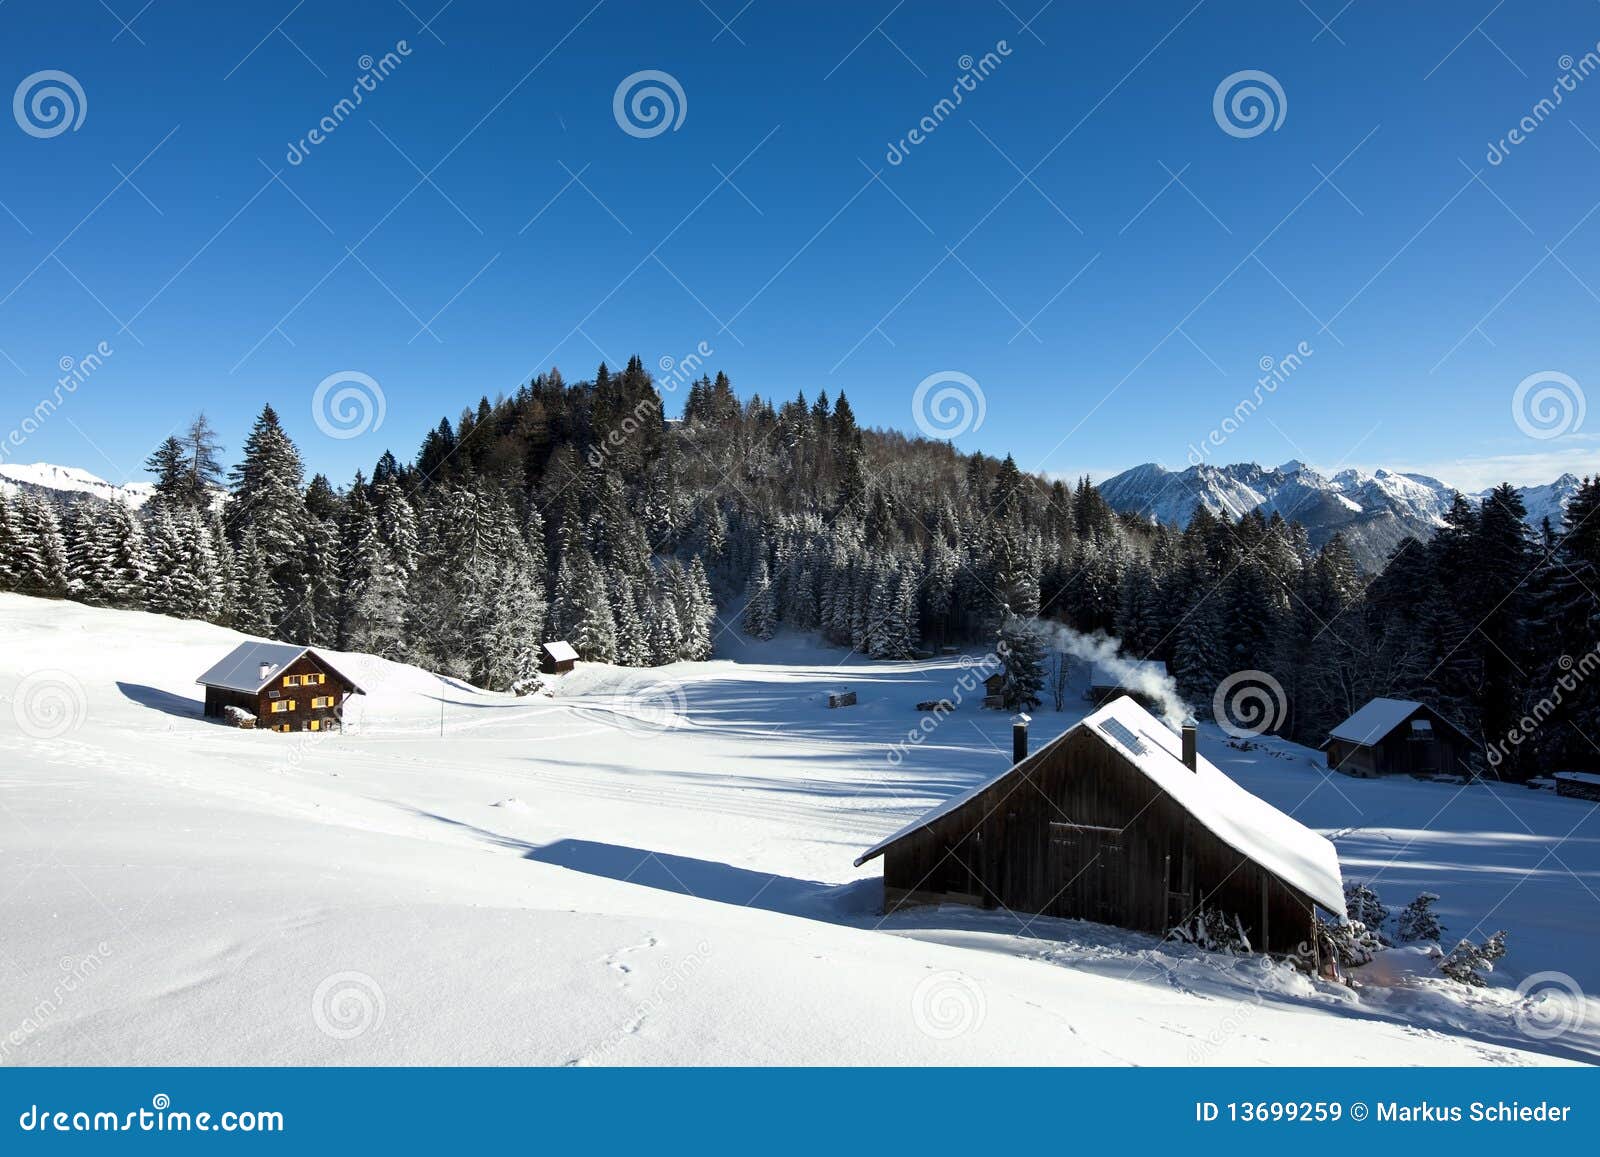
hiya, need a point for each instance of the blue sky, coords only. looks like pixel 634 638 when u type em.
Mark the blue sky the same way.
pixel 1080 237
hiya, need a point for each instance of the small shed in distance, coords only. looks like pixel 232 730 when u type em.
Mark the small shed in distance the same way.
pixel 1131 677
pixel 1578 785
pixel 286 687
pixel 1120 821
pixel 557 658
pixel 1398 737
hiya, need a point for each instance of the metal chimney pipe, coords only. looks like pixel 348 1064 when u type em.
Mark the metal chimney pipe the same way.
pixel 1190 737
pixel 1019 738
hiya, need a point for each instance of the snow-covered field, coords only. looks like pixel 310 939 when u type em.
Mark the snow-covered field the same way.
pixel 655 867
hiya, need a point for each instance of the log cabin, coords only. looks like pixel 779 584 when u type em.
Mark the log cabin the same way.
pixel 557 658
pixel 1122 822
pixel 286 687
pixel 1398 737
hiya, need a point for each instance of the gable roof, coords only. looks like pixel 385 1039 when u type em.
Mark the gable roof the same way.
pixel 1248 824
pixel 560 651
pixel 1378 717
pixel 240 668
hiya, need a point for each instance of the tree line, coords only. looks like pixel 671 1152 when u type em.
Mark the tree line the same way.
pixel 579 511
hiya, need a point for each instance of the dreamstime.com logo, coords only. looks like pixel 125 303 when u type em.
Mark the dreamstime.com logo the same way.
pixel 1574 674
pixel 48 103
pixel 947 1005
pixel 347 1005
pixel 1248 103
pixel 1552 1004
pixel 348 404
pixel 649 102
pixel 160 1117
pixel 1249 703
pixel 948 404
pixel 49 704
pixel 1548 404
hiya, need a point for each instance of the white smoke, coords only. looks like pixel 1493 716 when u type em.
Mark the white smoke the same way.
pixel 1103 651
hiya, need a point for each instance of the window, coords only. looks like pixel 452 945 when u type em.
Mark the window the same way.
pixel 281 706
pixel 322 701
pixel 291 680
pixel 319 679
pixel 316 725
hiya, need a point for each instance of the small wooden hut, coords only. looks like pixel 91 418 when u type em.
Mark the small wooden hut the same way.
pixel 1120 821
pixel 1398 737
pixel 557 658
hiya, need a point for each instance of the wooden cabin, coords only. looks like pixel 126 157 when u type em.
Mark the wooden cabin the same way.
pixel 557 658
pixel 994 688
pixel 1130 677
pixel 1120 821
pixel 286 687
pixel 1398 737
pixel 1578 785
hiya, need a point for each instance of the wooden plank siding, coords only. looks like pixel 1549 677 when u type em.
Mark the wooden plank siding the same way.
pixel 303 715
pixel 1080 833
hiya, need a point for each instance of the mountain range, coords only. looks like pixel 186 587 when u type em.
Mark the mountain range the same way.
pixel 1373 512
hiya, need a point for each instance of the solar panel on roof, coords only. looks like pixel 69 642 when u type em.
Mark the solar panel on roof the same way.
pixel 1118 731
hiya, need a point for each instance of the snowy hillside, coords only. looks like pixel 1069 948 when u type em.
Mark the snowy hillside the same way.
pixel 68 481
pixel 1373 511
pixel 655 866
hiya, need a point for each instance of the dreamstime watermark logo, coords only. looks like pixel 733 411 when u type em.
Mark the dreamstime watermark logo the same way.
pixel 348 404
pixel 1249 703
pixel 973 73
pixel 48 103
pixel 74 373
pixel 1573 73
pixel 49 704
pixel 1574 673
pixel 972 679
pixel 1248 103
pixel 652 707
pixel 674 372
pixel 1274 373
pixel 1552 1004
pixel 948 404
pixel 373 73
pixel 75 972
pixel 649 102
pixel 1548 404
pixel 348 1004
pixel 947 1005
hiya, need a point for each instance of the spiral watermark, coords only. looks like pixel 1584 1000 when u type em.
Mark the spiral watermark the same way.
pixel 49 704
pixel 348 1004
pixel 947 1005
pixel 348 404
pixel 48 103
pixel 1552 1004
pixel 1249 703
pixel 649 102
pixel 948 404
pixel 1248 103
pixel 1548 404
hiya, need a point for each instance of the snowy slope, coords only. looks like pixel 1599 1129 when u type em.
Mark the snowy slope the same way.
pixel 70 481
pixel 1372 511
pixel 652 867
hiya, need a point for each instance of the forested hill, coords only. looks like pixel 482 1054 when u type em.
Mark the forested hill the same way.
pixel 578 511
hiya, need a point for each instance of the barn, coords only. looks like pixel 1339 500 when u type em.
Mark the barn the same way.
pixel 1119 821
pixel 287 687
pixel 557 658
pixel 1398 737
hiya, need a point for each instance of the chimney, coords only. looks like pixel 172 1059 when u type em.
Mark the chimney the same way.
pixel 1190 730
pixel 1019 738
pixel 266 669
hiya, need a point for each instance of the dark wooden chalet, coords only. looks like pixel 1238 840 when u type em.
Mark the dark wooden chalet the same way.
pixel 557 658
pixel 285 686
pixel 1398 737
pixel 1122 822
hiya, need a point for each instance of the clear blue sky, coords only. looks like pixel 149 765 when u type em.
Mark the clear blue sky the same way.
pixel 1426 295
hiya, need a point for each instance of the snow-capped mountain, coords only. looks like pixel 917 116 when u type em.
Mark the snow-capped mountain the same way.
pixel 66 481
pixel 1373 511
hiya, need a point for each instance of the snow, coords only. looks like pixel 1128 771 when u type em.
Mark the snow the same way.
pixel 71 480
pixel 1579 777
pixel 1247 824
pixel 1374 720
pixel 653 867
pixel 240 669
pixel 560 652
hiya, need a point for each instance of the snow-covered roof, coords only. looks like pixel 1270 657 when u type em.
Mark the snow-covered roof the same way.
pixel 560 651
pixel 240 668
pixel 1246 823
pixel 1378 717
pixel 1587 777
pixel 1126 672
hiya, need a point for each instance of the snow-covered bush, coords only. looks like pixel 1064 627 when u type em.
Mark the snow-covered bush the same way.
pixel 1419 922
pixel 1333 948
pixel 1363 906
pixel 1468 962
pixel 1214 931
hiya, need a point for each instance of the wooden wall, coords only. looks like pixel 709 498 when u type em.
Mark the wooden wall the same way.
pixel 1081 833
